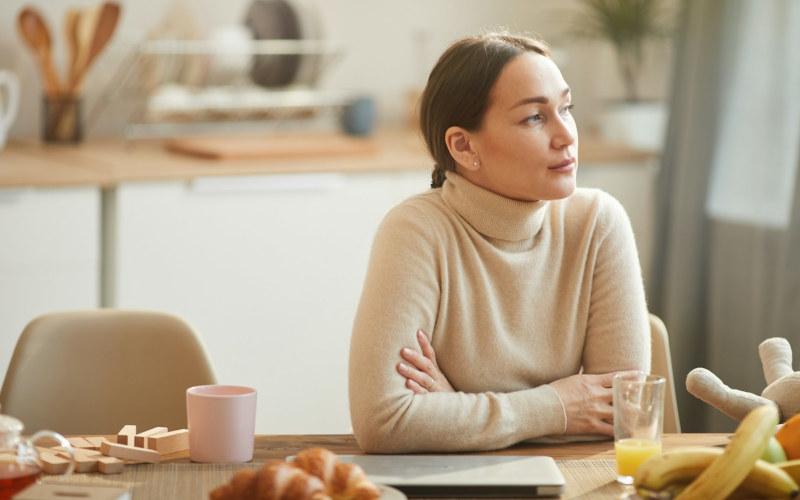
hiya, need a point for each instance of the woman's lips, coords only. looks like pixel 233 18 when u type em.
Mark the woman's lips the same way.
pixel 564 166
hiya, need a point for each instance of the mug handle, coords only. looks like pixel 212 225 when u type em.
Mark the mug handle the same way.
pixel 62 441
pixel 11 83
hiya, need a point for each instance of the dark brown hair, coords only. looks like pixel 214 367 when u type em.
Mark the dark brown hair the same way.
pixel 457 92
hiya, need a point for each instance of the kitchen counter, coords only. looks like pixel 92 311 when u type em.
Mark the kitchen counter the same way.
pixel 108 163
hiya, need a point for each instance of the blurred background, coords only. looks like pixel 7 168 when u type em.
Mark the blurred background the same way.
pixel 229 162
pixel 384 49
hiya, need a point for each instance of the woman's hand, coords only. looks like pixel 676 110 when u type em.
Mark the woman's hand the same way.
pixel 421 371
pixel 587 401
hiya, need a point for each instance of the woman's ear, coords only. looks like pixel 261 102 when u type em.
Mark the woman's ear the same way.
pixel 459 143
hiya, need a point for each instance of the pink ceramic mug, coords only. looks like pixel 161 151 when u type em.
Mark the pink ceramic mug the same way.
pixel 222 423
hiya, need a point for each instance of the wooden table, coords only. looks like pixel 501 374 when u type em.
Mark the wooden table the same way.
pixel 587 467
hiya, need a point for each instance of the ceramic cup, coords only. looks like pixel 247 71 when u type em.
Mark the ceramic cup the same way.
pixel 222 423
pixel 358 116
pixel 9 85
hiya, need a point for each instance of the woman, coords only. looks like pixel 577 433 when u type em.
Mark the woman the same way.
pixel 498 305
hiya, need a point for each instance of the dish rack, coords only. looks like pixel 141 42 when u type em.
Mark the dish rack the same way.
pixel 170 88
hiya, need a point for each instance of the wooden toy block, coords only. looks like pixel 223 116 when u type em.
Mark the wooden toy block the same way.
pixel 85 460
pixel 169 442
pixel 126 452
pixel 125 435
pixel 140 439
pixel 82 463
pixel 82 452
pixel 52 463
pixel 95 441
pixel 79 442
pixel 110 465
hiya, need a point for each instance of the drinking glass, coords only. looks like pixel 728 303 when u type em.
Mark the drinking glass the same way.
pixel 638 401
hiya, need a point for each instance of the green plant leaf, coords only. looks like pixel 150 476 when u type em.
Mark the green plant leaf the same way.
pixel 626 25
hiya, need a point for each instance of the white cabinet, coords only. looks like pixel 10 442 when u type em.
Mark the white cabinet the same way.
pixel 49 256
pixel 268 270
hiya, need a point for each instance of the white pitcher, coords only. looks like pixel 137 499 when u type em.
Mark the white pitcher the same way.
pixel 9 84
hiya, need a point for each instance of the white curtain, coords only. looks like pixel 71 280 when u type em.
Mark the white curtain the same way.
pixel 727 267
pixel 756 149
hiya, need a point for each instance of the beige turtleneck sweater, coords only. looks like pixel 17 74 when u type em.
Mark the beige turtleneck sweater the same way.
pixel 514 295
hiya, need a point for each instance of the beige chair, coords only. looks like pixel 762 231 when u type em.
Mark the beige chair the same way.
pixel 91 372
pixel 661 364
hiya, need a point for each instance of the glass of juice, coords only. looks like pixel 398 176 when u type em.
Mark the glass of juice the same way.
pixel 638 401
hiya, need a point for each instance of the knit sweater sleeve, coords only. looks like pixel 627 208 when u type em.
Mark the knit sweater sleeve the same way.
pixel 401 295
pixel 618 331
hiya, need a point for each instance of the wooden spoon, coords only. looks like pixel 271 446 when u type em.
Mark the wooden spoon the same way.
pixel 71 19
pixel 36 35
pixel 85 26
pixel 103 27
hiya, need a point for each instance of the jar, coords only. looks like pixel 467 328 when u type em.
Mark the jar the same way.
pixel 20 465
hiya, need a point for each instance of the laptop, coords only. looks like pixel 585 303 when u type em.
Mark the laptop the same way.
pixel 464 475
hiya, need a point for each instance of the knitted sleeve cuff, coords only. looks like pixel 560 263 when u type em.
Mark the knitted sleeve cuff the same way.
pixel 563 409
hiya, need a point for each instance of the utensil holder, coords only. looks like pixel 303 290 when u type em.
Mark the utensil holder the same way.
pixel 62 120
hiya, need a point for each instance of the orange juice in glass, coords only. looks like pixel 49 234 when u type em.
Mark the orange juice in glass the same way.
pixel 631 452
pixel 638 401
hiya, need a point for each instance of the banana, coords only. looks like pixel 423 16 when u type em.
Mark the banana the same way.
pixel 673 466
pixel 792 467
pixel 729 470
pixel 682 465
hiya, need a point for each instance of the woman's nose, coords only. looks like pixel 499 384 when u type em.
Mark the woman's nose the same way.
pixel 564 134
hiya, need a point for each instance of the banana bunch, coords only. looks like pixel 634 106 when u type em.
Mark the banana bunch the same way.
pixel 706 473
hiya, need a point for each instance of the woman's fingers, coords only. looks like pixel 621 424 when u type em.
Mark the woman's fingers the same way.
pixel 604 412
pixel 415 387
pixel 420 378
pixel 419 361
pixel 604 428
pixel 425 345
pixel 421 368
pixel 606 379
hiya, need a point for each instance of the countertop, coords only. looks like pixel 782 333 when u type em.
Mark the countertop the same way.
pixel 106 163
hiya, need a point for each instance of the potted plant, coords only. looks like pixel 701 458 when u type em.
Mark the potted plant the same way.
pixel 628 25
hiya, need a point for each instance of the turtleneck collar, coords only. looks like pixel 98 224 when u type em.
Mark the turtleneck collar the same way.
pixel 491 214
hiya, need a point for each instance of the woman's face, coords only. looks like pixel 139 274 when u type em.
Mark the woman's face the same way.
pixel 527 145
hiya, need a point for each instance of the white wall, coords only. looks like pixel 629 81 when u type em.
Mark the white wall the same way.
pixel 384 56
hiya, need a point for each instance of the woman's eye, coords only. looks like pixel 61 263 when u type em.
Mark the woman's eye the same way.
pixel 533 118
pixel 567 108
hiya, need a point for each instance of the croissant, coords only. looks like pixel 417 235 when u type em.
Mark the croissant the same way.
pixel 276 480
pixel 315 474
pixel 342 481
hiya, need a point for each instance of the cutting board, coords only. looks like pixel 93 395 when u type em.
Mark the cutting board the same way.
pixel 272 146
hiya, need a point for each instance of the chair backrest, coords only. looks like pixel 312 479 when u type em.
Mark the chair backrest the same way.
pixel 661 364
pixel 91 372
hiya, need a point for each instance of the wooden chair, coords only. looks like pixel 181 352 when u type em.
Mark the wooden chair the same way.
pixel 91 372
pixel 661 364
